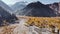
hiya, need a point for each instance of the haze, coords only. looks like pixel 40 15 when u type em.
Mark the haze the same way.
pixel 11 2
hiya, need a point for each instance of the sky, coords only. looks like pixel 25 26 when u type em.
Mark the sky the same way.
pixel 11 2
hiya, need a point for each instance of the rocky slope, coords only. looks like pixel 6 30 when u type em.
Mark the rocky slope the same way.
pixel 37 9
pixel 6 17
pixel 56 7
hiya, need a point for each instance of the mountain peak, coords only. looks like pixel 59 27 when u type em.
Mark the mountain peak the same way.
pixel 35 4
pixel 37 9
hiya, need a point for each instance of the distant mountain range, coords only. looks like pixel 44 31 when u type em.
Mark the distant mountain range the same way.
pixel 37 9
pixel 19 5
pixel 33 9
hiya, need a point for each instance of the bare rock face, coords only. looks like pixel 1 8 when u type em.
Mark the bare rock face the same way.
pixel 55 7
pixel 37 9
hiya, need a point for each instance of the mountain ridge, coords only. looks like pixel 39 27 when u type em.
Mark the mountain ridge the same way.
pixel 6 7
pixel 38 9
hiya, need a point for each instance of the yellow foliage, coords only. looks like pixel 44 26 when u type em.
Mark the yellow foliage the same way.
pixel 44 21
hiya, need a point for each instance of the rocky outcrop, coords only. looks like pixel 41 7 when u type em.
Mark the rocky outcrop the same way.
pixel 55 7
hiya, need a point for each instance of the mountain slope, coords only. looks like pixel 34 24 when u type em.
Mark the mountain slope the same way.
pixel 56 7
pixel 6 17
pixel 37 9
pixel 5 6
pixel 19 5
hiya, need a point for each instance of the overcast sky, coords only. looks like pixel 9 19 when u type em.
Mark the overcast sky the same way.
pixel 43 1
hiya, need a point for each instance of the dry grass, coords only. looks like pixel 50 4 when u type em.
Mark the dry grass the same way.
pixel 37 21
pixel 42 21
pixel 13 29
pixel 7 29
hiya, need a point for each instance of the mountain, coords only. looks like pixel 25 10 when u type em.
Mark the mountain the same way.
pixel 37 9
pixel 5 6
pixel 6 17
pixel 56 7
pixel 19 5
